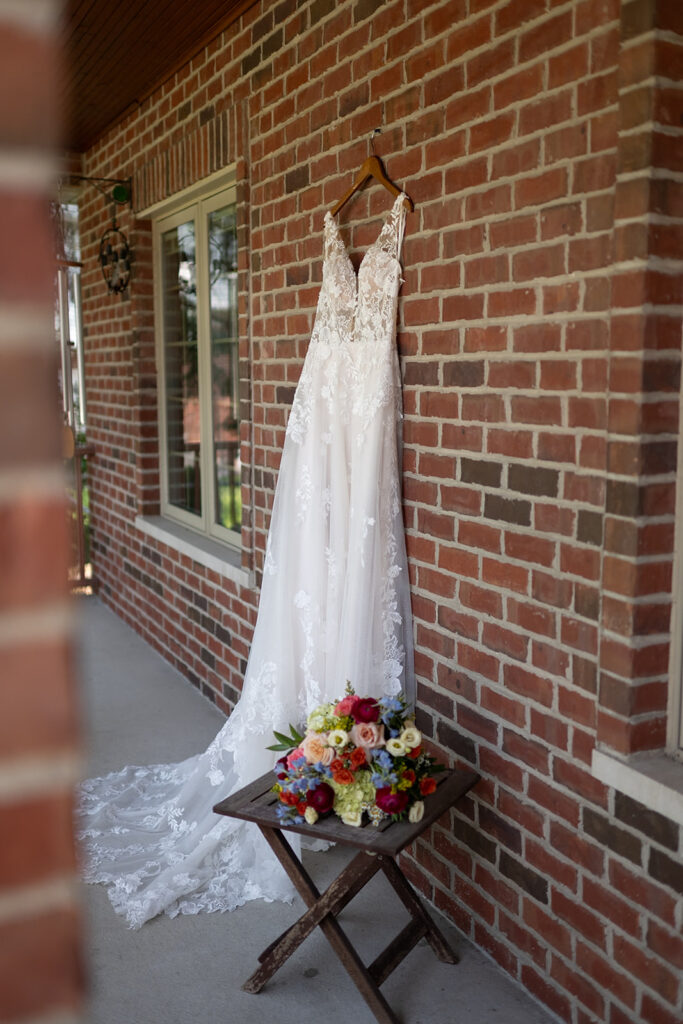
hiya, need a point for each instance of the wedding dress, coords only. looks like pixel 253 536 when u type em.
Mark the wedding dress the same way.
pixel 334 606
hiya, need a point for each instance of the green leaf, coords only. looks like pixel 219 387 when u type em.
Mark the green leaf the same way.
pixel 281 737
pixel 286 742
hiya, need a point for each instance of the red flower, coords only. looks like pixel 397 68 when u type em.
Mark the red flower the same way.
pixel 415 752
pixel 344 777
pixel 391 803
pixel 322 798
pixel 289 798
pixel 409 776
pixel 366 710
pixel 337 765
pixel 427 785
pixel 358 757
pixel 282 761
pixel 301 807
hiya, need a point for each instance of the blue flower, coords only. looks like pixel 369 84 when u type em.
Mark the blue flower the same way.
pixel 384 759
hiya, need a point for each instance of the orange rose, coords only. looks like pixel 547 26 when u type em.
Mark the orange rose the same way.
pixel 343 777
pixel 357 757
pixel 337 765
pixel 415 752
pixel 315 749
pixel 427 785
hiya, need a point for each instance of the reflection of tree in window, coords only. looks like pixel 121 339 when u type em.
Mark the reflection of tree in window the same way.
pixel 182 368
pixel 222 243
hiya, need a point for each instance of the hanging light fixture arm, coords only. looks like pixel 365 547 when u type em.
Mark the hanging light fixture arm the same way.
pixel 121 191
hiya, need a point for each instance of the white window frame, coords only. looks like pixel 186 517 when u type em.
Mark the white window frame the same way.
pixel 196 203
pixel 656 778
pixel 675 705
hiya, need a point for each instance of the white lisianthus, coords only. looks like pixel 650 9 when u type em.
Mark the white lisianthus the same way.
pixel 352 818
pixel 416 811
pixel 411 736
pixel 311 815
pixel 396 747
pixel 338 738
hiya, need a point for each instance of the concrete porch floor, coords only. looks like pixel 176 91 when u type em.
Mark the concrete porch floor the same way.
pixel 189 970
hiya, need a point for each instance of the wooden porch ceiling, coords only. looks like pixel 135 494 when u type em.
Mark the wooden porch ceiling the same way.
pixel 116 54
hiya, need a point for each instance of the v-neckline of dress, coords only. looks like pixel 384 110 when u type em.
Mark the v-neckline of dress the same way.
pixel 342 245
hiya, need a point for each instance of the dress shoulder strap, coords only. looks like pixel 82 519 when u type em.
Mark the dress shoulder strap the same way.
pixel 391 236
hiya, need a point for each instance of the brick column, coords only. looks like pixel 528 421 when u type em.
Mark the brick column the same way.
pixel 644 382
pixel 40 975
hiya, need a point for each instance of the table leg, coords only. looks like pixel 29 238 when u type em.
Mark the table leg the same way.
pixel 321 912
pixel 411 901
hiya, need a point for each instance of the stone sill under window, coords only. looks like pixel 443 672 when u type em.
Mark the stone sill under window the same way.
pixel 204 550
pixel 654 780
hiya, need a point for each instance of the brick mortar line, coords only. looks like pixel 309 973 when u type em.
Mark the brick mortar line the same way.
pixel 653 81
pixel 24 778
pixel 53 1017
pixel 25 328
pixel 27 170
pixel 46 622
pixel 42 482
pixel 27 901
pixel 41 15
pixel 649 127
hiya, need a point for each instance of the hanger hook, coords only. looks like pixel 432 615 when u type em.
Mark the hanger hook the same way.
pixel 375 131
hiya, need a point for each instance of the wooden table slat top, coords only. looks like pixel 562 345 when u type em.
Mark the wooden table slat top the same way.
pixel 257 802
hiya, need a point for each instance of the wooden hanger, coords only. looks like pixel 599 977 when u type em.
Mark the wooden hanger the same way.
pixel 372 168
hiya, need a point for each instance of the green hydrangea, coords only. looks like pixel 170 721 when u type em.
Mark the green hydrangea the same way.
pixel 349 799
pixel 323 718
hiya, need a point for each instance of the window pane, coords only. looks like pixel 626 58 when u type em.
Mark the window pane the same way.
pixel 182 368
pixel 225 366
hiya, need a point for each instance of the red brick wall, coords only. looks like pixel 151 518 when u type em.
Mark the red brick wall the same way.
pixel 540 330
pixel 40 976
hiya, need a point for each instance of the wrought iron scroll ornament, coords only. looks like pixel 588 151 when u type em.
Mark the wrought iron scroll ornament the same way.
pixel 115 254
pixel 115 258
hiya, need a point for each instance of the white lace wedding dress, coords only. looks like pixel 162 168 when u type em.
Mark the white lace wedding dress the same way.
pixel 335 606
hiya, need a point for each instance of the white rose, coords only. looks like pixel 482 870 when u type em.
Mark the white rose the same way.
pixel 352 818
pixel 411 736
pixel 311 815
pixel 416 811
pixel 396 747
pixel 338 738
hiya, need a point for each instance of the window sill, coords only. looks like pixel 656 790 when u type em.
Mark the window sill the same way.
pixel 652 779
pixel 204 550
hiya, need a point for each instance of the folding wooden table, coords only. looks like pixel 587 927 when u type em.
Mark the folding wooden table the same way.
pixel 378 846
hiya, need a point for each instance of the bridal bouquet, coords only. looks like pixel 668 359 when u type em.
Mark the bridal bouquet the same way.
pixel 357 755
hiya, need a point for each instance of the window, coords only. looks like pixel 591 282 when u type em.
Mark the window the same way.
pixel 198 360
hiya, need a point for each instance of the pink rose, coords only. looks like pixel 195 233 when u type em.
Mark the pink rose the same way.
pixel 366 710
pixel 367 735
pixel 345 707
pixel 391 803
pixel 294 756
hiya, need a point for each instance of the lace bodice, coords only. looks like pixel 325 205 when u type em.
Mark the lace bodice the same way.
pixel 334 606
pixel 355 324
